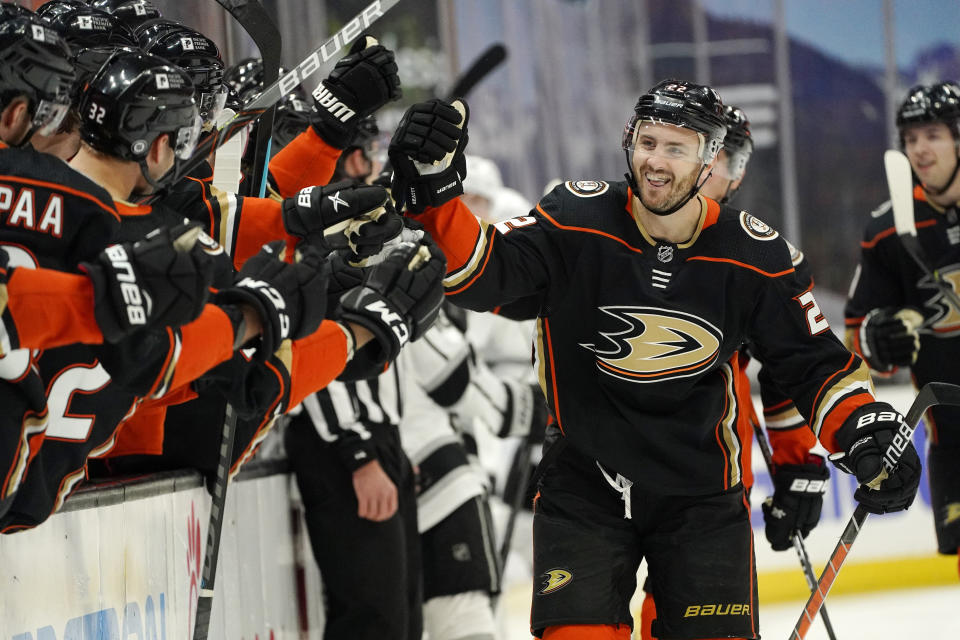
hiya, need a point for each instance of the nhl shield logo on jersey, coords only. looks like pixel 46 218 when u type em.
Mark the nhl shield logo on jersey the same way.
pixel 648 344
pixel 756 228
pixel 586 188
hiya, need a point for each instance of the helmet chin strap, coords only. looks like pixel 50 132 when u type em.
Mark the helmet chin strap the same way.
pixel 953 176
pixel 632 181
pixel 145 172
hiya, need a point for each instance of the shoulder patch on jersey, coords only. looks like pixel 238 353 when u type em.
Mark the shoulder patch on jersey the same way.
pixel 796 256
pixel 882 209
pixel 756 228
pixel 586 188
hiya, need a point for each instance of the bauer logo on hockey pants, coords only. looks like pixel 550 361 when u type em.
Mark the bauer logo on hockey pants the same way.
pixel 726 609
pixel 555 579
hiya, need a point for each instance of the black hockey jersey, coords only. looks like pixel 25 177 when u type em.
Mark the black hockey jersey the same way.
pixel 637 338
pixel 50 216
pixel 888 277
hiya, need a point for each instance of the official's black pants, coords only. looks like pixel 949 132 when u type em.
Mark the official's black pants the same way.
pixel 371 570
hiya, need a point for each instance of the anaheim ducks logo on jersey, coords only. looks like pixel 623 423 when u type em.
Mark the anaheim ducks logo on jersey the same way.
pixel 555 579
pixel 756 228
pixel 656 344
pixel 945 321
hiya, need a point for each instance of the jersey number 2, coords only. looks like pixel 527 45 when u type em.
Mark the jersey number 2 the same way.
pixel 815 320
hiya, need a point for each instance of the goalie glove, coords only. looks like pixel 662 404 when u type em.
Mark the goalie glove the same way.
pixel 160 281
pixel 342 214
pixel 426 152
pixel 290 298
pixel 399 298
pixel 361 82
pixel 888 338
pixel 796 501
pixel 865 437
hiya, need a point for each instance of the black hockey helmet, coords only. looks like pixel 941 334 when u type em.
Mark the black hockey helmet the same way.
pixel 684 104
pixel 294 110
pixel 11 10
pixel 738 143
pixel 130 12
pixel 245 78
pixel 938 102
pixel 133 99
pixel 35 64
pixel 84 27
pixel 194 52
pixel 55 8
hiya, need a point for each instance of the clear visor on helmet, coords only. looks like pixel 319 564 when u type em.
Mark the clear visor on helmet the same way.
pixel 731 166
pixel 186 139
pixel 646 137
pixel 49 115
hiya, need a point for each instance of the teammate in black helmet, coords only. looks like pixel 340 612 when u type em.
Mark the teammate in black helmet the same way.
pixel 35 79
pixel 727 175
pixel 896 316
pixel 646 293
pixel 139 110
pixel 131 12
pixel 196 54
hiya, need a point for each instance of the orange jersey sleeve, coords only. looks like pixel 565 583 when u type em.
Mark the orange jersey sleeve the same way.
pixel 306 162
pixel 47 308
pixel 261 222
pixel 196 348
pixel 317 360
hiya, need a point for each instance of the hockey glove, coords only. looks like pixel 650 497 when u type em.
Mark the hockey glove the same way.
pixel 343 277
pixel 160 281
pixel 362 81
pixel 865 437
pixel 342 214
pixel 291 299
pixel 426 152
pixel 400 297
pixel 888 338
pixel 796 502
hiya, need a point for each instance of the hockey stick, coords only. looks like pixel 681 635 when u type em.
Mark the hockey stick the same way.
pixel 932 393
pixel 516 503
pixel 218 504
pixel 481 67
pixel 900 183
pixel 316 61
pixel 261 28
pixel 797 538
pixel 254 19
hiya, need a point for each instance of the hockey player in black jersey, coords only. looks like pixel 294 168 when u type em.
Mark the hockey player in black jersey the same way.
pixel 646 292
pixel 788 510
pixel 896 316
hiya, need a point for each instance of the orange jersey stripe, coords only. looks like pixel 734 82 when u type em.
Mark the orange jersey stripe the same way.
pixel 744 265
pixel 108 208
pixel 586 230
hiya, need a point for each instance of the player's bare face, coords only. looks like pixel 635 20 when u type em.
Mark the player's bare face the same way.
pixel 666 163
pixel 932 152
pixel 722 179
